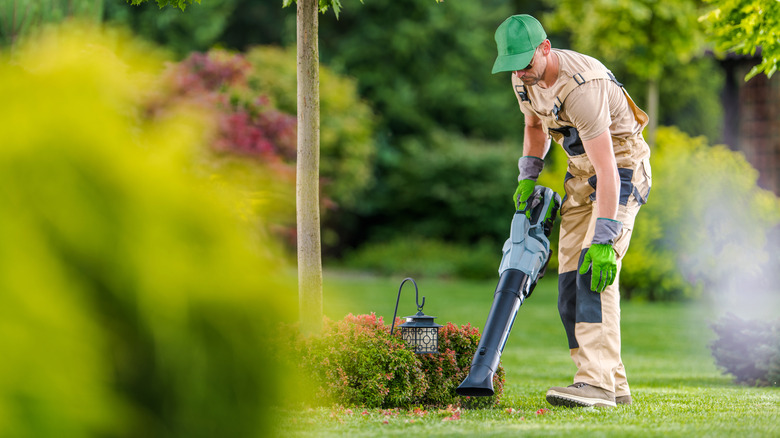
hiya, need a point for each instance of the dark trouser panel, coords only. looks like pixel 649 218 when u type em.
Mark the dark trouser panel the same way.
pixel 567 292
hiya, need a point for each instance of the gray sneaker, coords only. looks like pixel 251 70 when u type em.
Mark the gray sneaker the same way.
pixel 623 399
pixel 580 394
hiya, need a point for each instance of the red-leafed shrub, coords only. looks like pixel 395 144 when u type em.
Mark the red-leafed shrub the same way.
pixel 247 123
pixel 356 362
pixel 446 370
pixel 252 102
pixel 347 126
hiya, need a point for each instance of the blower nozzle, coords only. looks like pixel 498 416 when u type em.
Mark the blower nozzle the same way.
pixel 526 254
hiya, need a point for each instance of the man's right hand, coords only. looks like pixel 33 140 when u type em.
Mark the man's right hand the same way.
pixel 530 168
pixel 525 188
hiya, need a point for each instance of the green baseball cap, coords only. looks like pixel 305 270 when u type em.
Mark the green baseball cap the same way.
pixel 517 38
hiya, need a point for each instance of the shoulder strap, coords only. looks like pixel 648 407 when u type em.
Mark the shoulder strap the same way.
pixel 577 80
pixel 522 92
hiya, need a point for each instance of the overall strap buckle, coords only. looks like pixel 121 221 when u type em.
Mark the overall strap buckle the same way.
pixel 557 107
pixel 613 79
pixel 522 92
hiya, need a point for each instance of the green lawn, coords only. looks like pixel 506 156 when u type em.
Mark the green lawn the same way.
pixel 676 387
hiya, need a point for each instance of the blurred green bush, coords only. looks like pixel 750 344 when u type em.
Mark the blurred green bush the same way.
pixel 748 349
pixel 136 302
pixel 705 227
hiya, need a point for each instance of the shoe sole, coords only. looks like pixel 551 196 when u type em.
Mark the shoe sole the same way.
pixel 556 398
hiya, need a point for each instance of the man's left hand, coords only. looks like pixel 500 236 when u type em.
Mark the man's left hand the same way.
pixel 602 258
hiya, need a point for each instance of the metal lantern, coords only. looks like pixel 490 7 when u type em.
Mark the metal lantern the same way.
pixel 419 330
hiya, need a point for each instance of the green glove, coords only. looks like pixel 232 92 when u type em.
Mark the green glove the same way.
pixel 525 188
pixel 530 168
pixel 602 257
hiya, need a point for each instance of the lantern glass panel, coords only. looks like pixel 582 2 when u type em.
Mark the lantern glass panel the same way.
pixel 422 339
pixel 429 342
pixel 408 334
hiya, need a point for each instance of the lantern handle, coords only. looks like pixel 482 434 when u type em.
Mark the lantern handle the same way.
pixel 416 300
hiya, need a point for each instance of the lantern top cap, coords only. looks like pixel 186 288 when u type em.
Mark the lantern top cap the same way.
pixel 420 320
pixel 420 314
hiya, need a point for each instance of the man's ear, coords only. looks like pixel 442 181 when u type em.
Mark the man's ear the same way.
pixel 546 47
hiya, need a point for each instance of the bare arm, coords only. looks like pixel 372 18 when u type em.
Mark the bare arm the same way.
pixel 602 156
pixel 536 143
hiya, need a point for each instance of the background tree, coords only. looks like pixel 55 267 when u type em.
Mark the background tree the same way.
pixel 430 69
pixel 230 24
pixel 688 93
pixel 308 167
pixel 19 18
pixel 747 27
pixel 199 29
pixel 181 4
pixel 307 175
pixel 648 37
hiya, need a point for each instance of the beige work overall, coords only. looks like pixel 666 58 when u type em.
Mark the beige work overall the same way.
pixel 591 319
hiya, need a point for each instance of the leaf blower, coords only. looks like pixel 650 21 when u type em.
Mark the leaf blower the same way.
pixel 525 258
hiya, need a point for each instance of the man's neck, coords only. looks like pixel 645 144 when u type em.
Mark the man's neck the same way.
pixel 551 71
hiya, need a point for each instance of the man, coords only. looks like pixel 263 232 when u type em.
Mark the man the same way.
pixel 573 99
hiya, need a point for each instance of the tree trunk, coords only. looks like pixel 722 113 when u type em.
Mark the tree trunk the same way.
pixel 652 110
pixel 308 169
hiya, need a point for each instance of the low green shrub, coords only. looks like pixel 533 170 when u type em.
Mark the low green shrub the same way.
pixel 356 362
pixel 748 349
pixel 421 257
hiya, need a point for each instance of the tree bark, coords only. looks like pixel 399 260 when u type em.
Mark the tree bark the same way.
pixel 307 177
